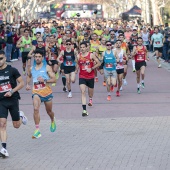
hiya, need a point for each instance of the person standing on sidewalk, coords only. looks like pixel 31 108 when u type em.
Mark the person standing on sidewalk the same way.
pixel 42 77
pixel 9 96
pixel 157 39
pixel 9 43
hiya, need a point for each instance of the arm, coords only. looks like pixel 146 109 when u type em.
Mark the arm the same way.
pixel 134 52
pixel 19 45
pixel 30 54
pixel 77 65
pixel 29 76
pixel 94 58
pixel 51 75
pixel 59 57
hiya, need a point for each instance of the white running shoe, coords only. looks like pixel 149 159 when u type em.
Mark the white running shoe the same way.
pixel 121 88
pixel 159 66
pixel 23 117
pixel 124 82
pixel 69 95
pixel 4 153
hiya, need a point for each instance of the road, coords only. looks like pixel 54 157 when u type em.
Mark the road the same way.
pixel 130 132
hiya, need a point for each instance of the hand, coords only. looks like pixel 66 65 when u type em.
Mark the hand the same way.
pixel 8 94
pixel 50 62
pixel 89 70
pixel 76 71
pixel 147 59
pixel 28 87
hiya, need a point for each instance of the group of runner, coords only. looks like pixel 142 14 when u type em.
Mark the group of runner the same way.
pixel 67 51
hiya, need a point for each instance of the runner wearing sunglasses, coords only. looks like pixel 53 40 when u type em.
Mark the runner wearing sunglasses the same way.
pixel 109 66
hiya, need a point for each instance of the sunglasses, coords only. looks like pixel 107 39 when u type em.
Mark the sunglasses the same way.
pixel 112 34
pixel 40 41
pixel 1 58
pixel 108 45
pixel 68 44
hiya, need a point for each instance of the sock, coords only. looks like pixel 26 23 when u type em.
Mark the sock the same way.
pixel 84 107
pixel 64 80
pixel 109 94
pixel 133 64
pixel 90 98
pixel 4 145
pixel 138 85
pixel 23 68
pixel 37 127
pixel 69 91
pixel 142 81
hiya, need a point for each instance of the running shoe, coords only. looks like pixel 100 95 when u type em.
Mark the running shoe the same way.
pixel 24 73
pixel 36 134
pixel 134 70
pixel 90 102
pixel 85 113
pixel 124 82
pixel 53 126
pixel 69 95
pixel 104 83
pixel 23 117
pixel 4 153
pixel 108 97
pixel 96 79
pixel 112 88
pixel 159 66
pixel 143 85
pixel 53 84
pixel 121 88
pixel 117 94
pixel 138 90
pixel 64 89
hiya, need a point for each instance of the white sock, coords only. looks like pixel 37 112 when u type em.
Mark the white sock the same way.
pixel 138 85
pixel 133 64
pixel 142 81
pixel 109 94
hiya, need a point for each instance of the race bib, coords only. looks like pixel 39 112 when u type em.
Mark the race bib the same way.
pixel 39 86
pixel 157 42
pixel 5 88
pixel 69 63
pixel 140 57
pixel 119 66
pixel 53 57
pixel 27 46
pixel 109 65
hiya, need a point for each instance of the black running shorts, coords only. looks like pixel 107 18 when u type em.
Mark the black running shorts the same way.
pixel 11 105
pixel 138 65
pixel 88 82
pixel 25 57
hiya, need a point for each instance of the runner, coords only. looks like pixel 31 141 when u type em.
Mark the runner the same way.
pixel 25 44
pixel 85 62
pixel 69 56
pixel 94 45
pixel 122 57
pixel 133 43
pixel 100 50
pixel 42 75
pixel 140 55
pixel 9 96
pixel 125 47
pixel 157 40
pixel 109 66
pixel 53 48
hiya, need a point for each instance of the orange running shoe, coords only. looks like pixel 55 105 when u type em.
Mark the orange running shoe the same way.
pixel 112 88
pixel 108 97
pixel 104 83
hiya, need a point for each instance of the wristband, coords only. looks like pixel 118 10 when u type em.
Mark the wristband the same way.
pixel 11 91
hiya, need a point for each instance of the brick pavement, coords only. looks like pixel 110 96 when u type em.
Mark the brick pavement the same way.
pixel 129 133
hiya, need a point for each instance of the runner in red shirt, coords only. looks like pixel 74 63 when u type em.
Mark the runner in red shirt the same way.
pixel 140 55
pixel 85 62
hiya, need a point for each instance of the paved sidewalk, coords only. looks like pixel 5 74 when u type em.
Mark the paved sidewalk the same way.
pixel 136 143
pixel 131 132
